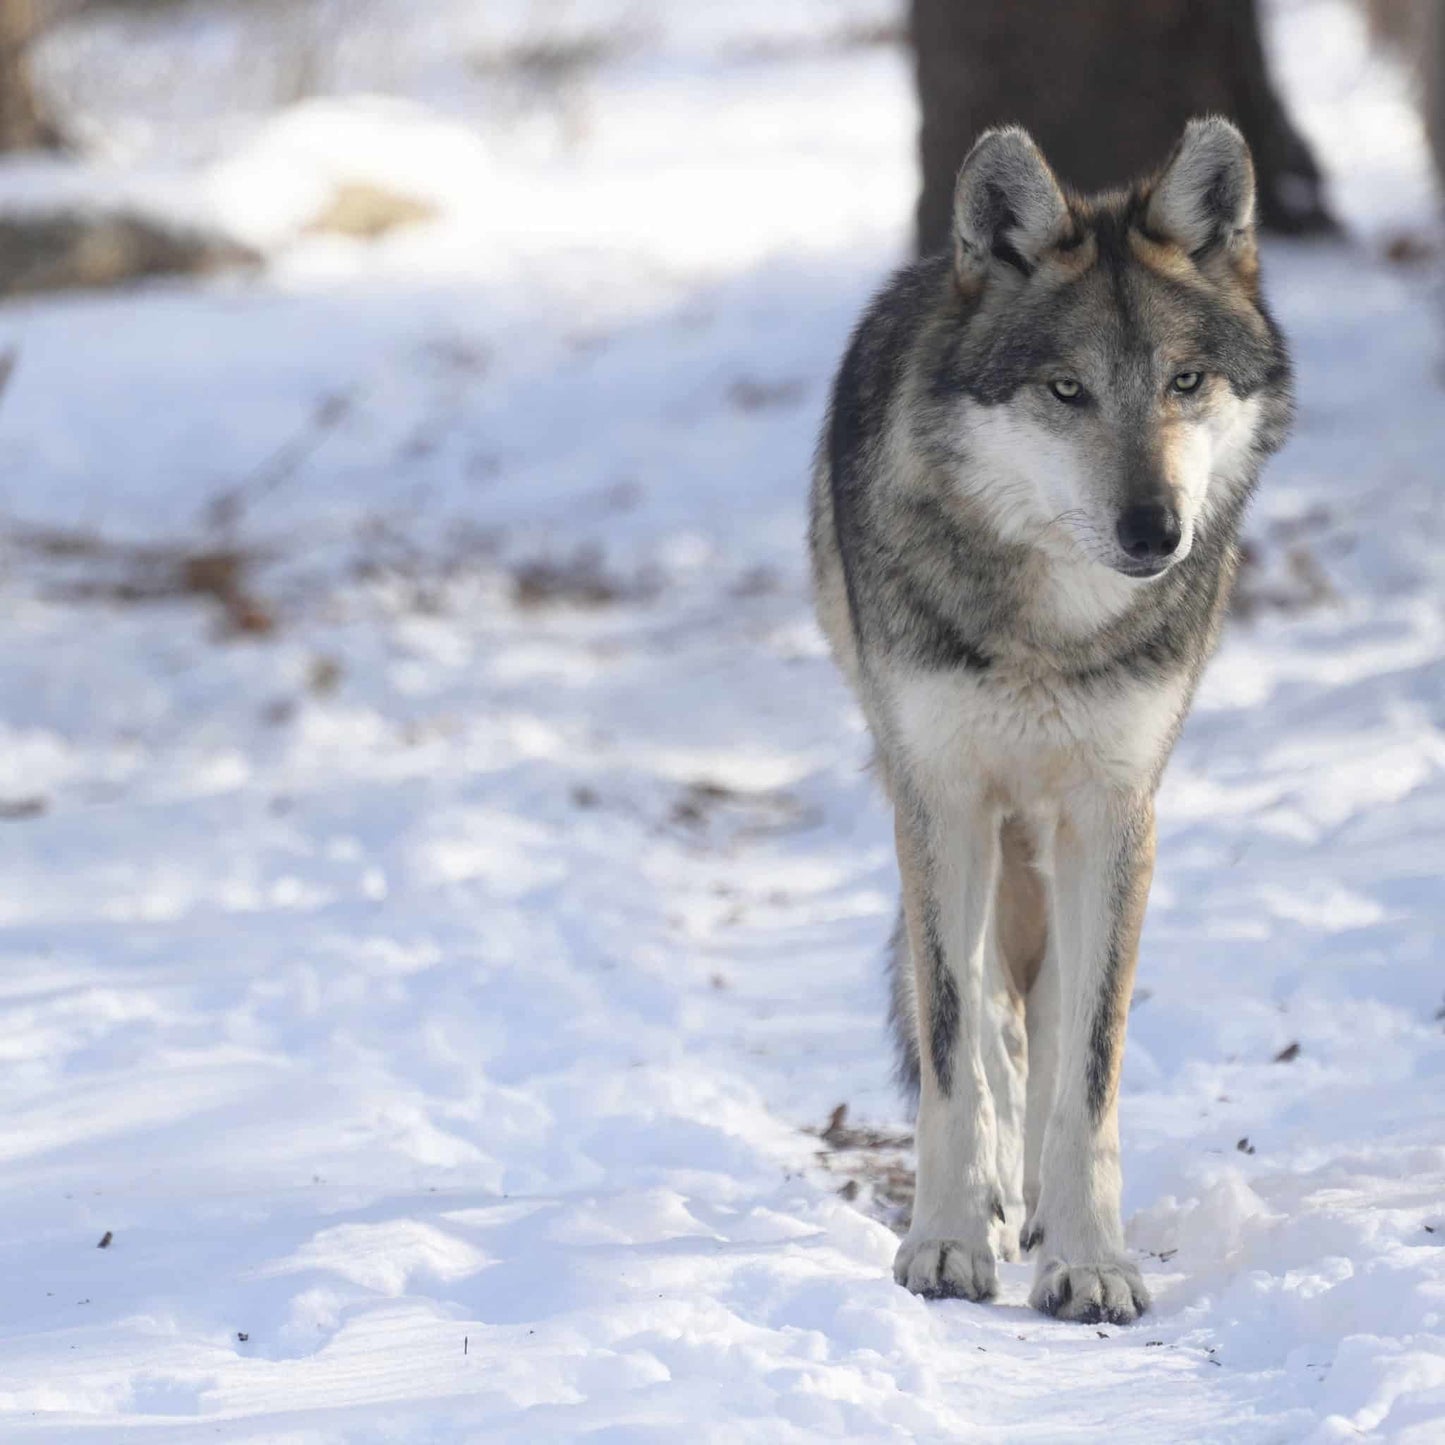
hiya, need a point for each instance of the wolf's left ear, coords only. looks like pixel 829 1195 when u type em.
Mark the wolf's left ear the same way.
pixel 1204 197
pixel 1007 207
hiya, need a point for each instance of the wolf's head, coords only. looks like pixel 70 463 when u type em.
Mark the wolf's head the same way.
pixel 1107 375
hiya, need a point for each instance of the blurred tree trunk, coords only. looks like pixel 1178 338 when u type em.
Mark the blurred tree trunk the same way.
pixel 1434 66
pixel 23 122
pixel 1105 88
pixel 1413 31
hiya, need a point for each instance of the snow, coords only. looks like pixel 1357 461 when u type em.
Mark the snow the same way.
pixel 432 998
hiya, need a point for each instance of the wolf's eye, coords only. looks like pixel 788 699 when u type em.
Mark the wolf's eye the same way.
pixel 1066 388
pixel 1186 381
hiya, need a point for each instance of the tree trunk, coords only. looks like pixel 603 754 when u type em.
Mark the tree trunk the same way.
pixel 23 122
pixel 1434 82
pixel 1105 88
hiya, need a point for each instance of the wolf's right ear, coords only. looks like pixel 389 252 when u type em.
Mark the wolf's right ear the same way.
pixel 1204 197
pixel 1007 207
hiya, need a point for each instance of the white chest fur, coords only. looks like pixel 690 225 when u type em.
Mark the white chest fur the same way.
pixel 1028 736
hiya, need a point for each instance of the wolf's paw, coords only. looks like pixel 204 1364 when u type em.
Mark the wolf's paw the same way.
pixel 946 1269
pixel 1090 1294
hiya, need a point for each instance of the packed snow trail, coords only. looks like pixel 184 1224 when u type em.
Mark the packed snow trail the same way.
pixel 431 998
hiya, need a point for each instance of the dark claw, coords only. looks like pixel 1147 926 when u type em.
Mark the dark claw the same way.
pixel 944 1289
pixel 1032 1239
pixel 1059 1297
pixel 998 1213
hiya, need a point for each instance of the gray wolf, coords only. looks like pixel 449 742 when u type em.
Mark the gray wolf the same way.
pixel 1024 519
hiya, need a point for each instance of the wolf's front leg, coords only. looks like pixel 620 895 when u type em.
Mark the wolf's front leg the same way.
pixel 1004 1047
pixel 1103 861
pixel 948 857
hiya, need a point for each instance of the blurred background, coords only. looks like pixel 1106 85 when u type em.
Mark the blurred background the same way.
pixel 442 898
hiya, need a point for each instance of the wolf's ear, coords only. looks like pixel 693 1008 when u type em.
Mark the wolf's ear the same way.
pixel 1204 197
pixel 1007 207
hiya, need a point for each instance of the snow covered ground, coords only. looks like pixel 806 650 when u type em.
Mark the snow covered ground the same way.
pixel 429 997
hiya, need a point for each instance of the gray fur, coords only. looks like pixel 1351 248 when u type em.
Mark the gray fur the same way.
pixel 919 579
pixel 929 562
pixel 1206 198
pixel 1007 205
pixel 903 1012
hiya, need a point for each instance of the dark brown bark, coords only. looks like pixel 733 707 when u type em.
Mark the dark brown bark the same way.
pixel 1105 88
pixel 1433 49
pixel 24 124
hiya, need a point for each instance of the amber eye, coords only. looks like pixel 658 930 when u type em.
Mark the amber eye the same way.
pixel 1066 388
pixel 1187 381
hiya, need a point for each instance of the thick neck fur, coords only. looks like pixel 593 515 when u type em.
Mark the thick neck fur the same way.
pixel 1041 606
pixel 948 562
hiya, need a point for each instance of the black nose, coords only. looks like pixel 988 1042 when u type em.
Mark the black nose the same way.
pixel 1149 531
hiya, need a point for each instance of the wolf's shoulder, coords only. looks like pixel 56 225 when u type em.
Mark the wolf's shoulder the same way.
pixel 890 322
pixel 877 358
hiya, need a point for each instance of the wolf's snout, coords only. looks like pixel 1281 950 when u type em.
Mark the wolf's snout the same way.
pixel 1149 532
